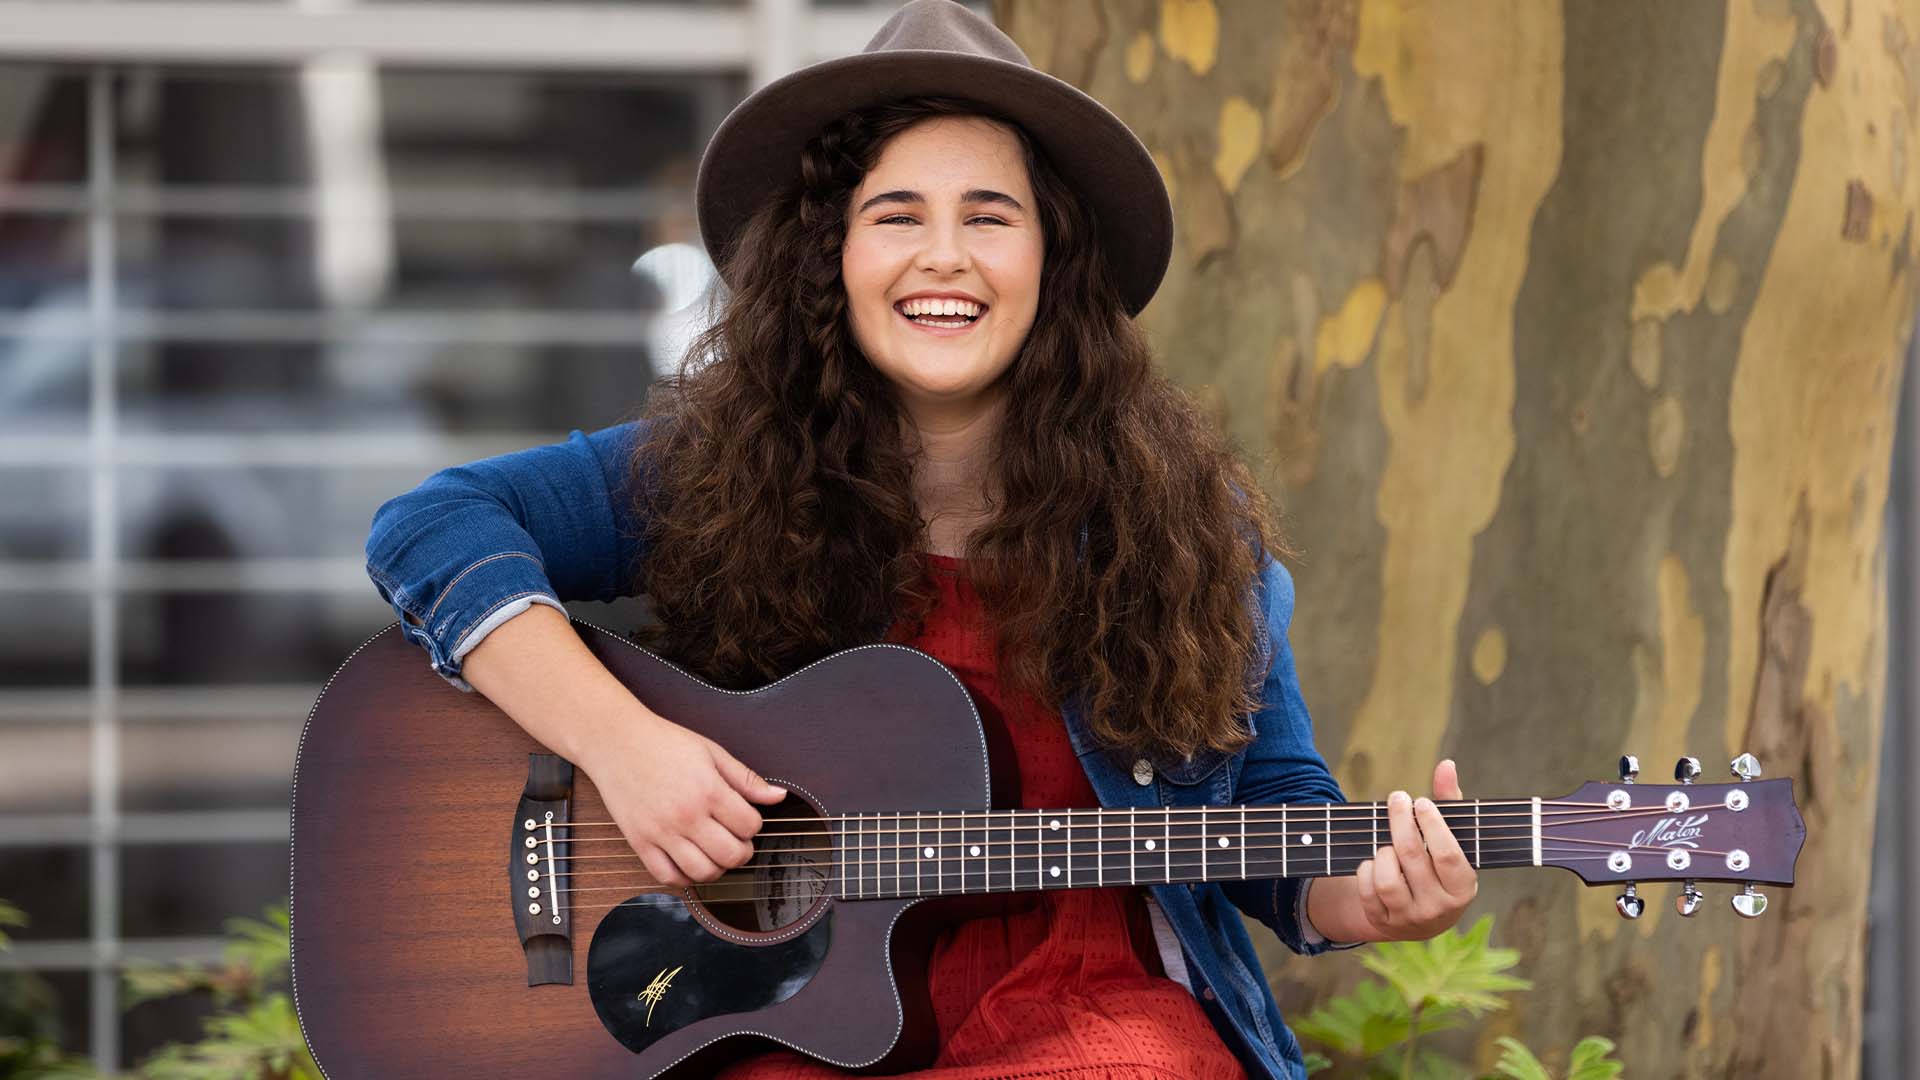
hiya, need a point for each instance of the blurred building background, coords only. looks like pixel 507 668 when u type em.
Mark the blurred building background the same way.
pixel 264 263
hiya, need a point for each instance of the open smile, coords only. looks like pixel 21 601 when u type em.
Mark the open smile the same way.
pixel 943 325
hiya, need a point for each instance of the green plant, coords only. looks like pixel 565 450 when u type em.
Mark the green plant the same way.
pixel 29 1032
pixel 1426 987
pixel 255 1034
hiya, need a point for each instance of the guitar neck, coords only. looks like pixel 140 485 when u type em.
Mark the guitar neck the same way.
pixel 881 856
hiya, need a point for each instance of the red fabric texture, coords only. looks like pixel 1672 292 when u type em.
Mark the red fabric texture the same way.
pixel 1065 987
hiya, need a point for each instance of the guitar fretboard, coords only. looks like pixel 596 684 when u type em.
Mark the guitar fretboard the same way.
pixel 880 856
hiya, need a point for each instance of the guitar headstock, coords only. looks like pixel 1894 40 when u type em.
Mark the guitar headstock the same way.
pixel 1747 832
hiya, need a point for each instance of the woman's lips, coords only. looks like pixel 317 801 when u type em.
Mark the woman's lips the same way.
pixel 943 331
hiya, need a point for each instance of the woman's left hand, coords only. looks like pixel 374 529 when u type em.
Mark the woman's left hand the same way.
pixel 1421 884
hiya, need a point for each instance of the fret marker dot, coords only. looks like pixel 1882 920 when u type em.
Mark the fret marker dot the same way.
pixel 1149 845
pixel 1306 838
pixel 1223 841
pixel 974 850
pixel 928 853
pixel 1053 824
pixel 1053 871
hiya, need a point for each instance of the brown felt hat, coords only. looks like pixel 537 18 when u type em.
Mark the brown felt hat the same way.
pixel 938 47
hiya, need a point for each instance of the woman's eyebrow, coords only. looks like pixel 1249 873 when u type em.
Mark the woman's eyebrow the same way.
pixel 976 195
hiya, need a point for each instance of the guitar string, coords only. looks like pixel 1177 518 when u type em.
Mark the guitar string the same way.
pixel 755 881
pixel 823 893
pixel 1185 862
pixel 993 851
pixel 1023 823
pixel 1317 808
pixel 905 821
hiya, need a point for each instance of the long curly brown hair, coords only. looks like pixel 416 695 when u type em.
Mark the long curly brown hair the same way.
pixel 1116 560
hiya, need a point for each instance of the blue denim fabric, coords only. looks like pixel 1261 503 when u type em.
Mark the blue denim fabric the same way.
pixel 479 541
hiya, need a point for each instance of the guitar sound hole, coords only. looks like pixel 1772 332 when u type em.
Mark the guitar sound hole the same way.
pixel 786 878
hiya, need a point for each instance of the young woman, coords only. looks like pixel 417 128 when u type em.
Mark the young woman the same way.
pixel 925 414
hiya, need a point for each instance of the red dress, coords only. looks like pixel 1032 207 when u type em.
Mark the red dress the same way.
pixel 1066 988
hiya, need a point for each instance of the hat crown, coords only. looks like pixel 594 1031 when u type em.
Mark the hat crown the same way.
pixel 948 27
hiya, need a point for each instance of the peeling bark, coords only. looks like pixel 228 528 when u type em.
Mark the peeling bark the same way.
pixel 1572 335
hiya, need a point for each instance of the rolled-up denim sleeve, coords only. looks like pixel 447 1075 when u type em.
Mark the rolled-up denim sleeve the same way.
pixel 476 544
pixel 1282 766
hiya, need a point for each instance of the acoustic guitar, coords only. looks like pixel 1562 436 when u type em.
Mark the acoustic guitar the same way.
pixel 463 906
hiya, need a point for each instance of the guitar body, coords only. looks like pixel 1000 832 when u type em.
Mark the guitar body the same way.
pixel 409 912
pixel 432 837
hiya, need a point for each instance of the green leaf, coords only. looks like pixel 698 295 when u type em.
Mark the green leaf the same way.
pixel 1370 1020
pixel 1453 969
pixel 1317 1062
pixel 9 916
pixel 1517 1062
pixel 1432 1065
pixel 261 947
pixel 261 1041
pixel 1589 1060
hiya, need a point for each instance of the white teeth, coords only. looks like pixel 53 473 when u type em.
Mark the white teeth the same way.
pixel 940 306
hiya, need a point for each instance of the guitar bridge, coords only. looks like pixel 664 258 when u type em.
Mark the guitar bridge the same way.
pixel 536 868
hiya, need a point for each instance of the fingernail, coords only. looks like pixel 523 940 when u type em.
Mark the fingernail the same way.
pixel 1423 803
pixel 1398 797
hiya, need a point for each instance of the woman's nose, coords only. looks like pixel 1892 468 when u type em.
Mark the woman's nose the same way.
pixel 945 250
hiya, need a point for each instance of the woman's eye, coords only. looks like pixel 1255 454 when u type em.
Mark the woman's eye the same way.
pixel 891 218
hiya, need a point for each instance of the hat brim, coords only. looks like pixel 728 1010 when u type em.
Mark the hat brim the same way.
pixel 755 154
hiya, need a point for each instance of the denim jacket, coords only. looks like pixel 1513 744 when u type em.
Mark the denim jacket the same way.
pixel 476 544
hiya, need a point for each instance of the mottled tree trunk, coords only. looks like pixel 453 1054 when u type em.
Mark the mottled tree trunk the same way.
pixel 1574 333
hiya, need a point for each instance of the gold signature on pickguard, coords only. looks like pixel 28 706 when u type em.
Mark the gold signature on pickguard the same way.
pixel 657 989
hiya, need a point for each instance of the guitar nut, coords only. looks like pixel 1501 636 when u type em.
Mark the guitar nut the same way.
pixel 1618 799
pixel 1737 860
pixel 1678 859
pixel 1677 802
pixel 1619 862
pixel 1736 800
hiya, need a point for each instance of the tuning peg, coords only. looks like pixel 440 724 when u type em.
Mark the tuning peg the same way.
pixel 1749 903
pixel 1688 902
pixel 1629 904
pixel 1686 770
pixel 1746 766
pixel 1629 768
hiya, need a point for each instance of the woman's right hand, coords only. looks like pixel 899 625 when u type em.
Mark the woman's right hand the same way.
pixel 683 803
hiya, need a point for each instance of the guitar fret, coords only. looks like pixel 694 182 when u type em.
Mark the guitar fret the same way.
pixel 1133 868
pixel 1536 830
pixel 1043 869
pixel 1203 843
pixel 1166 831
pixel 1243 843
pixel 1477 861
pixel 1283 842
pixel 1329 809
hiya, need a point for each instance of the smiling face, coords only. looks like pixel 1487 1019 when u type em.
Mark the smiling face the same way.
pixel 942 264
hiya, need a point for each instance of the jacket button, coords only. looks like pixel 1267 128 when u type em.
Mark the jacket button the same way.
pixel 1207 992
pixel 1143 772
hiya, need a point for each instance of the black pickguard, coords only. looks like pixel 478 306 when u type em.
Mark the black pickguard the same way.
pixel 653 969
